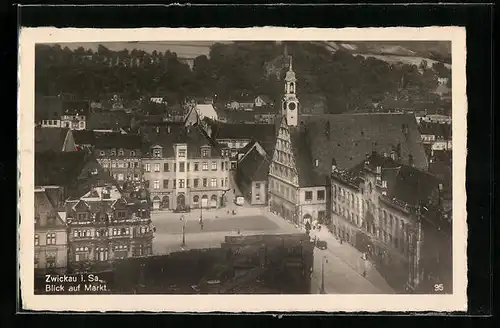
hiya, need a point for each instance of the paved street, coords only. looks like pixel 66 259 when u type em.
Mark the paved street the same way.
pixel 343 265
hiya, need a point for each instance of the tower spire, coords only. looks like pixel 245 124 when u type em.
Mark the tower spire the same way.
pixel 290 67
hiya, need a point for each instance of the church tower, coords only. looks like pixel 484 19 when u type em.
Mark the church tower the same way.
pixel 290 103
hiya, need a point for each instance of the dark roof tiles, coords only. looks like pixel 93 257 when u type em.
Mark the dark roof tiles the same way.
pixel 50 139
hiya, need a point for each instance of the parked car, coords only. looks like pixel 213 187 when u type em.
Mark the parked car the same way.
pixel 321 244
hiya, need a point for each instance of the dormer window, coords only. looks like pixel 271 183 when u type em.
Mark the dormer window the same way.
pixel 120 152
pixel 102 153
pixel 182 153
pixel 316 163
pixel 113 152
pixel 132 153
pixel 157 153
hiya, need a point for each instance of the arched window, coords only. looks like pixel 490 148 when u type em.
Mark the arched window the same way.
pixel 196 199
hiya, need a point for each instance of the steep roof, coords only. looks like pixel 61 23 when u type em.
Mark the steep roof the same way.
pixel 50 139
pixel 117 140
pixel 58 168
pixel 244 131
pixel 172 134
pixel 412 186
pixel 347 138
pixel 254 166
pixel 45 208
pixel 309 175
pixel 84 137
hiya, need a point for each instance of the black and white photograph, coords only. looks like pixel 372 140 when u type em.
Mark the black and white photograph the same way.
pixel 245 167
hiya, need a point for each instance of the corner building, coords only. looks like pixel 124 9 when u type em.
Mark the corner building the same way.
pixel 183 169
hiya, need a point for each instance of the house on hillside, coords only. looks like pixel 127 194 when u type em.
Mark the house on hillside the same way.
pixel 75 114
pixel 263 100
pixel 54 139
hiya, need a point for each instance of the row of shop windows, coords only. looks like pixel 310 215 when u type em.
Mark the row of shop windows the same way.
pixel 181 183
pixel 120 153
pixel 181 200
pixel 121 165
pixel 82 254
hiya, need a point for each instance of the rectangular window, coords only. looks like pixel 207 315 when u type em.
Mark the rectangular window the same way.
pixel 257 196
pixel 147 167
pixel 182 153
pixel 120 176
pixel 214 166
pixel 182 166
pixel 257 185
pixel 188 167
pixel 157 167
pixel 51 238
pixel 175 183
pixel 321 195
pixel 196 166
pixel 195 183
pixel 166 168
pixel 181 183
pixel 37 240
pixel 205 182
pixel 308 195
pixel 175 167
pixel 156 184
pixel 213 182
pixel 187 183
pixel 205 166
pixel 222 182
pixel 146 184
pixel 165 184
pixel 157 153
pixel 204 152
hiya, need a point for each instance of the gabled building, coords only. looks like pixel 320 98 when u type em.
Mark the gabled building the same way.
pixel 120 155
pixel 183 168
pixel 237 136
pixel 75 114
pixel 398 216
pixel 252 175
pixel 54 139
pixel 306 145
pixel 104 226
pixel 50 238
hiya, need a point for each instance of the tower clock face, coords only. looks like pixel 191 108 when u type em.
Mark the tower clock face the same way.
pixel 292 106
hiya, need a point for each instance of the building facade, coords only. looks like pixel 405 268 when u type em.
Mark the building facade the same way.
pixel 120 155
pixel 103 226
pixel 183 169
pixel 377 208
pixel 50 238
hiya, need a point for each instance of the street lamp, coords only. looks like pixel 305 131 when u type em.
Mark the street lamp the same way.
pixel 183 231
pixel 322 291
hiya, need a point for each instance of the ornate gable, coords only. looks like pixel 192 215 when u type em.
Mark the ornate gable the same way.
pixel 283 163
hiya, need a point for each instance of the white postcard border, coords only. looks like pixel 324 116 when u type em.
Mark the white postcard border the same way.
pixel 238 303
